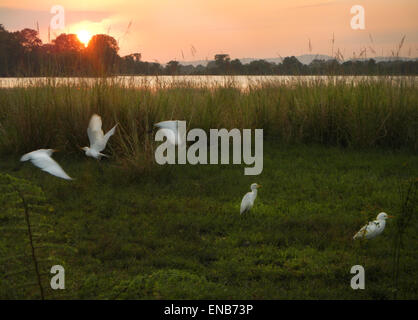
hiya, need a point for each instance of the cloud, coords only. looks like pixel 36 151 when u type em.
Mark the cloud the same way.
pixel 17 19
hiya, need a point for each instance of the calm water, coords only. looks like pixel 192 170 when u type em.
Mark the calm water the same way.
pixel 197 81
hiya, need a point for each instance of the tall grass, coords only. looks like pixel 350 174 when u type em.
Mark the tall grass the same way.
pixel 360 115
pixel 409 204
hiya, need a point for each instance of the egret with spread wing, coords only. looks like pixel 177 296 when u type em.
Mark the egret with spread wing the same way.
pixel 248 200
pixel 42 159
pixel 97 139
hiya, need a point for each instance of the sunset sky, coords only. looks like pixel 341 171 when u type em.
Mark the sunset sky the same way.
pixel 164 30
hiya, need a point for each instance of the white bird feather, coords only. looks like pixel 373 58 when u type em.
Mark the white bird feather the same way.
pixel 373 228
pixel 247 201
pixel 97 138
pixel 170 130
pixel 42 159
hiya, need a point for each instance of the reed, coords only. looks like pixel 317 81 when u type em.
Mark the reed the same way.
pixel 360 114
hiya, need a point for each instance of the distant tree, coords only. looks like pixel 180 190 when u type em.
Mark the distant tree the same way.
pixel 222 58
pixel 131 64
pixel 22 53
pixel 6 47
pixel 28 39
pixel 153 68
pixel 222 63
pixel 199 70
pixel 136 57
pixel 371 66
pixel 173 67
pixel 67 43
pixel 237 66
pixel 291 65
pixel 187 69
pixel 260 67
pixel 47 48
pixel 317 66
pixel 66 55
pixel 103 53
pixel 332 67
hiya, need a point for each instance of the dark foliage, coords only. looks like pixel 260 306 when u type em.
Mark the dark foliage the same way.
pixel 22 53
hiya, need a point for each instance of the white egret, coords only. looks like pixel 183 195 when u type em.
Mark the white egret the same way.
pixel 42 159
pixel 373 228
pixel 97 139
pixel 170 130
pixel 248 200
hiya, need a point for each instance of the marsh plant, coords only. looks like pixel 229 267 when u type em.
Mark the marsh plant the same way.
pixel 28 243
pixel 364 114
pixel 407 214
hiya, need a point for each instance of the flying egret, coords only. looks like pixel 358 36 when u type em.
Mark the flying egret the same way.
pixel 248 200
pixel 170 130
pixel 42 159
pixel 97 139
pixel 373 228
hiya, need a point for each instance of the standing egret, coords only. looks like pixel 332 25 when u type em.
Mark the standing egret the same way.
pixel 373 228
pixel 170 129
pixel 97 139
pixel 248 200
pixel 42 159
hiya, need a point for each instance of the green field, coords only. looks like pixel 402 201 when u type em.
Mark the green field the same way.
pixel 127 228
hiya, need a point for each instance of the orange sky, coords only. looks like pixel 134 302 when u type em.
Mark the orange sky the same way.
pixel 163 30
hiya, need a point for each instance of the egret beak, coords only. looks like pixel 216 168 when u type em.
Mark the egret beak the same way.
pixel 258 185
pixel 391 216
pixel 55 150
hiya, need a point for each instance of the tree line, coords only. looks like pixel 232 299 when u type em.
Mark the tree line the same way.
pixel 22 53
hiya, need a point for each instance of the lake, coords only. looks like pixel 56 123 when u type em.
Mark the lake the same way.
pixel 242 82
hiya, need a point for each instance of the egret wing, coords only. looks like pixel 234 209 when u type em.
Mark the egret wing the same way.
pixel 361 233
pixel 170 130
pixel 170 124
pixel 245 203
pixel 47 164
pixel 366 230
pixel 94 130
pixel 27 156
pixel 102 145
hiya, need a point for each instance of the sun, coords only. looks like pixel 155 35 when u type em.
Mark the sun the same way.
pixel 84 36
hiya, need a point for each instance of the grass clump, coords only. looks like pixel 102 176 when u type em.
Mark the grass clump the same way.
pixel 363 114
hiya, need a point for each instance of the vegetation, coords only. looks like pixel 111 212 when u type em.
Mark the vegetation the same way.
pixel 176 232
pixel 408 199
pixel 22 53
pixel 335 154
pixel 362 115
pixel 29 246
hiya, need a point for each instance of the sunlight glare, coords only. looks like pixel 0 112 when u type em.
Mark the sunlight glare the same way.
pixel 84 36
